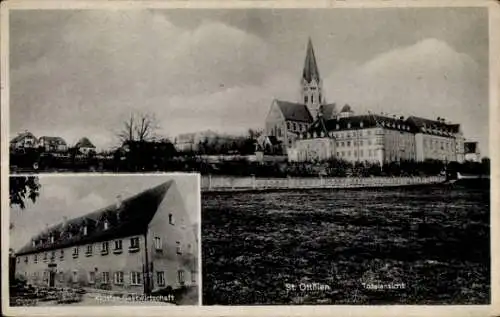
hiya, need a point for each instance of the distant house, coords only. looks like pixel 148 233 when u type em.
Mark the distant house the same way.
pixel 52 144
pixel 85 146
pixel 23 140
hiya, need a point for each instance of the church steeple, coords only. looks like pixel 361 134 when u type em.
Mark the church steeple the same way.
pixel 310 71
pixel 312 95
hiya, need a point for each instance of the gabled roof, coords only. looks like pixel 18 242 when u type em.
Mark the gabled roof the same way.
pixel 21 136
pixel 294 111
pixel 346 108
pixel 310 71
pixel 129 218
pixel 84 142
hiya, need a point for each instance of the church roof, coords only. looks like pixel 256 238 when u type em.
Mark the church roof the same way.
pixel 294 111
pixel 310 71
pixel 130 218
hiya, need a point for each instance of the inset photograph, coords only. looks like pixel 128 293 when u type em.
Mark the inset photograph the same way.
pixel 104 240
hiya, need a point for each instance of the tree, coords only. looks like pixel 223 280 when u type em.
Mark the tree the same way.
pixel 139 127
pixel 22 188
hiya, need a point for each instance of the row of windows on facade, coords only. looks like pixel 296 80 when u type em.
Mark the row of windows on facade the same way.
pixel 105 226
pixel 341 135
pixel 133 247
pixel 118 277
pixel 434 144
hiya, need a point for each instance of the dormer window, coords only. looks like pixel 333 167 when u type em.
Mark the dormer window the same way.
pixel 52 239
pixel 106 225
pixel 85 230
pixel 171 219
pixel 337 126
pixel 361 124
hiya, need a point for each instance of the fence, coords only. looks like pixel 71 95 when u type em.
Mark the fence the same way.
pixel 227 183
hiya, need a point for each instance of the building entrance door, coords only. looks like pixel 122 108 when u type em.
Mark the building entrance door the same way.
pixel 52 276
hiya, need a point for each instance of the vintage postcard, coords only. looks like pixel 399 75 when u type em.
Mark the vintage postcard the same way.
pixel 250 157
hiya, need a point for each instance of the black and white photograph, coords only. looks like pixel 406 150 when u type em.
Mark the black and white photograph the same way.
pixel 104 240
pixel 335 154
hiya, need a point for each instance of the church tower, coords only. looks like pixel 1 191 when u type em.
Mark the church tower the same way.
pixel 312 94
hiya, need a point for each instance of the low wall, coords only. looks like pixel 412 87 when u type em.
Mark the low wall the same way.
pixel 227 183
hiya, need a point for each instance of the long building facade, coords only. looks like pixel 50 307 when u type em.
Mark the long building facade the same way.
pixel 139 245
pixel 379 139
pixel 312 130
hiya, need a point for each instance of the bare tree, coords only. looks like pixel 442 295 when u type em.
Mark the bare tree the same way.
pixel 139 127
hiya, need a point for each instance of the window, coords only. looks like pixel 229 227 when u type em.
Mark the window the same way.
pixel 179 250
pixel 158 243
pixel 118 277
pixel 51 239
pixel 134 244
pixel 361 143
pixel 355 153
pixel 279 132
pixel 45 255
pixel 348 153
pixel 189 247
pixel 105 248
pixel 312 98
pixel 118 246
pixel 35 258
pixel 348 126
pixel 369 132
pixel 75 252
pixel 180 276
pixel 91 277
pixel 160 278
pixel 53 255
pixel 85 230
pixel 75 276
pixel 89 250
pixel 62 255
pixel 348 143
pixel 342 143
pixel 61 276
pixel 193 276
pixel 171 219
pixel 369 142
pixel 135 278
pixel 25 259
pixel 305 99
pixel 105 277
pixel 106 225
pixel 288 125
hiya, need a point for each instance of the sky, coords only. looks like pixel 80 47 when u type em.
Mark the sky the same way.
pixel 76 73
pixel 78 195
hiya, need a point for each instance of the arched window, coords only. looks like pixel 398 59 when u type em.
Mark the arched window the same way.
pixel 305 99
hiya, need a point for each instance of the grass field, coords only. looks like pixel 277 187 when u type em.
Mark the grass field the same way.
pixel 427 245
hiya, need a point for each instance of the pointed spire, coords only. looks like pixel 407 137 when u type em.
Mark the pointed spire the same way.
pixel 310 67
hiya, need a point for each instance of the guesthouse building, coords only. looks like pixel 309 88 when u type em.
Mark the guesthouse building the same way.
pixel 139 245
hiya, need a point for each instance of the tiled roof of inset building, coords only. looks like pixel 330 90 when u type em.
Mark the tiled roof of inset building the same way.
pixel 22 135
pixel 294 111
pixel 130 217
